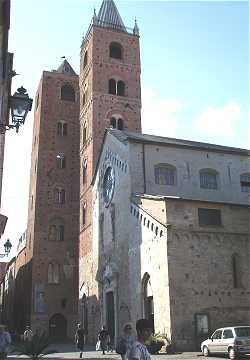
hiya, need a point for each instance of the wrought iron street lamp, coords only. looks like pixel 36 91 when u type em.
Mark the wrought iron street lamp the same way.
pixel 7 248
pixel 20 105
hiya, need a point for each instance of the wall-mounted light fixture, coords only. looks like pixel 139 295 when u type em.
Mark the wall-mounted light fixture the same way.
pixel 20 105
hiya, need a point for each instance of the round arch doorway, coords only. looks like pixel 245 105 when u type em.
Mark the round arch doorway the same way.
pixel 58 327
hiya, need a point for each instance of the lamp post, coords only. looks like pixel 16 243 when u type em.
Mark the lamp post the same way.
pixel 7 248
pixel 20 105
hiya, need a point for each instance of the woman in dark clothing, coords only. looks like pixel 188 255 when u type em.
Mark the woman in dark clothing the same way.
pixel 80 338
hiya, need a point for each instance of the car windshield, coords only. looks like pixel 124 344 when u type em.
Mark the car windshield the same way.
pixel 242 332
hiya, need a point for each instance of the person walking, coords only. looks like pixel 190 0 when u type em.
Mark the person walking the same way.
pixel 124 344
pixel 28 334
pixel 103 338
pixel 80 338
pixel 139 350
pixel 5 341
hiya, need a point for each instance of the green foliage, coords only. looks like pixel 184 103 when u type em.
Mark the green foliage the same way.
pixel 36 348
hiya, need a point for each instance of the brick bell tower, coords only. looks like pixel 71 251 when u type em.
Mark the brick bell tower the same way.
pixel 53 216
pixel 110 96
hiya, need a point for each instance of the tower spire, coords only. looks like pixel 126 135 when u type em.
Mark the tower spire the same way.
pixel 109 16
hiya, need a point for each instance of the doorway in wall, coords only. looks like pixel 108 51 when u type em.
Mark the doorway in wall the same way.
pixel 110 314
pixel 57 328
pixel 148 300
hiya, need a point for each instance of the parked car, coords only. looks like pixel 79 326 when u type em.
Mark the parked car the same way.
pixel 233 341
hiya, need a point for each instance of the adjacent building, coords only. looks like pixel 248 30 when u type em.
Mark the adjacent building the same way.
pixel 49 269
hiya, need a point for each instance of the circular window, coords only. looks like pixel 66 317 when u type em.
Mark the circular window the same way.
pixel 108 185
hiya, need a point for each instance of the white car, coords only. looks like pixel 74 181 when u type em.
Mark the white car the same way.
pixel 233 341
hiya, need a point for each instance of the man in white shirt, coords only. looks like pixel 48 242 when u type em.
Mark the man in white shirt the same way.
pixel 139 350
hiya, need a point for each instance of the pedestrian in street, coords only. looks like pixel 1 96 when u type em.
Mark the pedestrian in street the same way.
pixel 103 338
pixel 124 344
pixel 80 338
pixel 5 341
pixel 28 334
pixel 139 350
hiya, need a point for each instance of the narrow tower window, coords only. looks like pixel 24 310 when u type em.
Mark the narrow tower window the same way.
pixel 59 196
pixel 113 122
pixel 61 128
pixel 84 213
pixel 85 61
pixel 120 124
pixel 112 87
pixel 120 88
pixel 84 172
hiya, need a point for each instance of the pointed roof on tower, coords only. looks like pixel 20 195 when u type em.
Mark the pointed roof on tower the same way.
pixel 109 16
pixel 66 69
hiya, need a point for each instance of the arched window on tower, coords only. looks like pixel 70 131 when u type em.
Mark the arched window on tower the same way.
pixel 67 93
pixel 85 60
pixel 120 124
pixel 112 87
pixel 115 50
pixel 113 123
pixel 59 196
pixel 62 128
pixel 120 88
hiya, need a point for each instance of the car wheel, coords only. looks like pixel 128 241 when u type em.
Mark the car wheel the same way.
pixel 205 351
pixel 231 354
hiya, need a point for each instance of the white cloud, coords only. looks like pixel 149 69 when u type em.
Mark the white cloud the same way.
pixel 159 115
pixel 218 120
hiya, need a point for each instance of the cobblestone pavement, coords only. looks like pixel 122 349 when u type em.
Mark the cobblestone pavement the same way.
pixel 68 351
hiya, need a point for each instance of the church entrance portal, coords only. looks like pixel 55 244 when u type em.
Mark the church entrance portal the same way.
pixel 110 314
pixel 58 327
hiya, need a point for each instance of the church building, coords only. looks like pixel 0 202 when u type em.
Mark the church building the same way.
pixel 164 223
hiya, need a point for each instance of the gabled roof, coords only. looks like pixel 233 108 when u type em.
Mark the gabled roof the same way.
pixel 125 136
pixel 109 16
pixel 66 69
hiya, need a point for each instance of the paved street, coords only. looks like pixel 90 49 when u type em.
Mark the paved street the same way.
pixel 68 351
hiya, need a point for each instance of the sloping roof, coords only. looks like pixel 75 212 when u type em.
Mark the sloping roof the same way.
pixel 109 16
pixel 66 68
pixel 125 136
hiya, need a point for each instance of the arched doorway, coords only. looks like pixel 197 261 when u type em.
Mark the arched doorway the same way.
pixel 148 300
pixel 58 327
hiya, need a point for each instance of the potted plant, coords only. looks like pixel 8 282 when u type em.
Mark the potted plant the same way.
pixel 154 343
pixel 36 348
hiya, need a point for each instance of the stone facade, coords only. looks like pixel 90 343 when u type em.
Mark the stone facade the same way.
pixel 153 254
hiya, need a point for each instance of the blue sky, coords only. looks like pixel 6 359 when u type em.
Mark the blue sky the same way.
pixel 194 57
